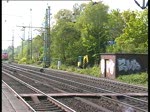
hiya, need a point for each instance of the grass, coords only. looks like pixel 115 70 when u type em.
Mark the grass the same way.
pixel 136 79
pixel 93 71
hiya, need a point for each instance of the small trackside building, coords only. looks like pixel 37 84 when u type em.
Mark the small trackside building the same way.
pixel 113 65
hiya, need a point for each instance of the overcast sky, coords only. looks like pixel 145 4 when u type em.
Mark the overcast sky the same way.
pixel 18 13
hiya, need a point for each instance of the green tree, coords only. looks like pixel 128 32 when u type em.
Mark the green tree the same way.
pixel 9 51
pixel 77 10
pixel 92 23
pixel 65 42
pixel 115 27
pixel 64 15
pixel 134 38
pixel 115 24
pixel 36 49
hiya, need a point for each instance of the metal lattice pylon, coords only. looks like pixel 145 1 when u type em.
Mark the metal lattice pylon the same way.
pixel 46 58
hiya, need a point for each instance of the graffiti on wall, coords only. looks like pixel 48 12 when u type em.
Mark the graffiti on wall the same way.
pixel 102 66
pixel 109 66
pixel 127 65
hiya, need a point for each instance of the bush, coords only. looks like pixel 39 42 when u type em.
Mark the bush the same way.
pixel 92 71
pixel 53 66
pixel 138 79
pixel 22 61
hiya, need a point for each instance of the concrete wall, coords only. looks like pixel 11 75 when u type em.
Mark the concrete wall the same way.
pixel 108 66
pixel 131 63
pixel 113 65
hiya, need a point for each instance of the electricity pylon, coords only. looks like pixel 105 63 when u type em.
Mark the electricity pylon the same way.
pixel 47 58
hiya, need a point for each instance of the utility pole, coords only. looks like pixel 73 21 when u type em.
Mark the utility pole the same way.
pixel 24 27
pixel 23 39
pixel 28 51
pixel 46 58
pixel 13 46
pixel 22 48
pixel 49 35
pixel 45 42
pixel 31 33
pixel 30 38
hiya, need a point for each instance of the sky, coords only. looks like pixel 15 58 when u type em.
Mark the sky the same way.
pixel 18 13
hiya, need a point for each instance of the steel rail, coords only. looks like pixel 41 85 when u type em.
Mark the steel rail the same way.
pixel 59 104
pixel 80 75
pixel 19 96
pixel 131 105
pixel 123 94
pixel 51 80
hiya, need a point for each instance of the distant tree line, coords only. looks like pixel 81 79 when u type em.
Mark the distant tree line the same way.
pixel 91 29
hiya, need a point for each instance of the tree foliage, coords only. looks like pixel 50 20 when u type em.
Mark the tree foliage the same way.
pixel 92 23
pixel 134 38
pixel 86 30
pixel 65 39
pixel 115 24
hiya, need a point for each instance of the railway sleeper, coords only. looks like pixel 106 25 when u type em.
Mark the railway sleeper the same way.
pixel 42 105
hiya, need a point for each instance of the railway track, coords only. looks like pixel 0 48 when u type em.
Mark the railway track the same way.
pixel 46 103
pixel 41 103
pixel 97 82
pixel 105 85
pixel 110 99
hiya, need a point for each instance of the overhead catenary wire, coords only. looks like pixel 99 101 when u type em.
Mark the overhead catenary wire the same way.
pixel 143 6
